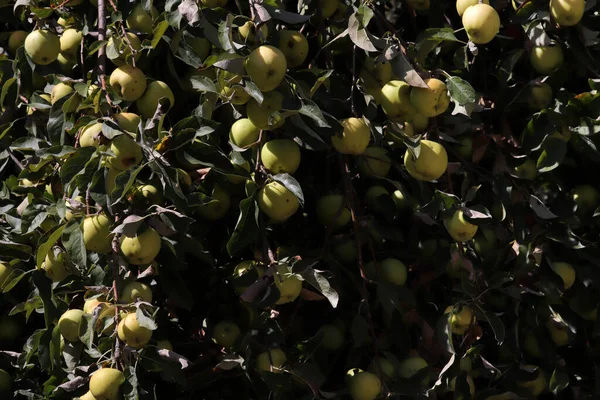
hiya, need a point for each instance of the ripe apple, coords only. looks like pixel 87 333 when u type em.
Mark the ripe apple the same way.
pixel 536 386
pixel 110 178
pixel 333 337
pixel 127 152
pixel 294 46
pixel 355 137
pixel 42 46
pixel 88 396
pixel 383 367
pixel 132 333
pixel 129 82
pixel 105 383
pixel 374 162
pixel 134 291
pixel 567 12
pixel 418 122
pixel 566 273
pixel 280 156
pixel 381 72
pixel 411 366
pixel 587 199
pixel 289 285
pixel 244 133
pixel 226 334
pixel 481 23
pixel 146 196
pixel 73 210
pixel 266 66
pixel 271 360
pixel 90 304
pixel 142 248
pixel 372 195
pixel 433 101
pixel 363 385
pixel 139 20
pixel 370 85
pixel 395 99
pixel 88 135
pixel 68 324
pixel 148 103
pixel 248 32
pixel 546 59
pixel 331 206
pixel 431 163
pixel 245 273
pixel 6 382
pixel 462 5
pixel 16 40
pixel 460 320
pixel 200 45
pixel 214 3
pixel 236 95
pixel 260 114
pixel 277 201
pixel 127 121
pixel 418 5
pixel 124 46
pixel 559 332
pixel 459 228
pixel 70 44
pixel 540 95
pixel 55 265
pixel 393 271
pixel 62 90
pixel 527 170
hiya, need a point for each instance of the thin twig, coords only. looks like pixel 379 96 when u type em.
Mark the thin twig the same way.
pixel 15 159
pixel 102 49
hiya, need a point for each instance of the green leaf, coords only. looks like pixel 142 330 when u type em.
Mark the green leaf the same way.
pixel 318 281
pixel 44 287
pixel 43 248
pixel 292 185
pixel 246 227
pixel 72 239
pixel 460 90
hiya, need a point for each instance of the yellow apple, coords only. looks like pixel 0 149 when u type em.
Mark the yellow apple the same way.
pixel 89 134
pixel 355 137
pixel 68 324
pixel 395 99
pixel 271 360
pixel 431 163
pixel 146 196
pixel 546 59
pixel 363 385
pixel 97 235
pixel 139 20
pixel 248 32
pixel 216 208
pixel 236 95
pixel 132 333
pixel 260 114
pixel 289 285
pixel 567 12
pixel 267 66
pixel 280 156
pixel 70 44
pixel 127 121
pixel 381 72
pixel 536 386
pixel 105 384
pixel 124 46
pixel 90 305
pixel 127 152
pixel 200 45
pixel 244 133
pixel 277 201
pixel 481 23
pixel 460 320
pixel 374 162
pixel 134 291
pixel 63 90
pixel 331 206
pixel 16 40
pixel 566 273
pixel 129 82
pixel 148 103
pixel 559 332
pixel 587 199
pixel 88 396
pixel 294 46
pixel 459 228
pixel 383 367
pixel 142 248
pixel 333 337
pixel 226 333
pixel 526 170
pixel 42 46
pixel 540 96
pixel 55 265
pixel 393 271
pixel 432 101
pixel 411 366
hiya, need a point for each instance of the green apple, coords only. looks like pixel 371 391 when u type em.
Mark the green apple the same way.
pixel 56 265
pixel 89 134
pixel 66 65
pixel 355 137
pixel 363 385
pixel 395 99
pixel 148 103
pixel 531 345
pixel 431 163
pixel 185 180
pixel 280 156
pixel 127 152
pixel 401 199
pixel 418 122
pixel 217 207
pixel 200 45
pixel 70 44
pixel 540 95
pixel 381 72
pixel 536 386
pixel 481 23
pixel 261 114
pixel 236 95
pixel 566 273
pixel 110 178
pixel 587 199
pixel 271 360
pixel 132 333
pixel 465 147
pixel 128 81
pixel 331 211
pixel 266 66
pixel 88 396
pixel 142 248
pixel 6 382
pixel 244 273
pixel 226 334
pixel 374 162
pixel 244 133
pixel 459 228
pixel 567 12
pixel 328 7
pixel 248 32
pixel 146 196
pixel 127 121
pixel 90 304
pixel 289 286
pixel 134 291
pixel 346 251
pixel 63 90
pixel 411 366
pixel 546 59
pixel 139 20
pixel 431 101
pixel 484 242
pixel 383 367
pixel 372 195
pixel 333 337
pixel 460 320
pixel 42 46
pixel 277 201
pixel 105 384
pixel 393 271
pixel 68 324
pixel 97 235
pixel 526 170
pixel 294 46
pixel 16 40
pixel 124 46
